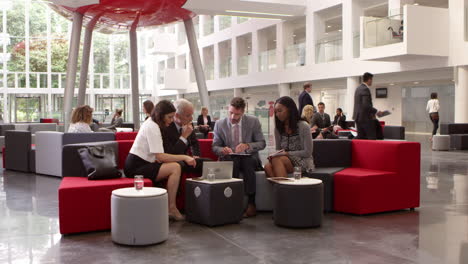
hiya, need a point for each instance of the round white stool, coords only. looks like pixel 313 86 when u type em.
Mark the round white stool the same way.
pixel 441 142
pixel 139 217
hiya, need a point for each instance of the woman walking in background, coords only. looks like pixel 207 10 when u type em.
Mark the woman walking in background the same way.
pixel 433 109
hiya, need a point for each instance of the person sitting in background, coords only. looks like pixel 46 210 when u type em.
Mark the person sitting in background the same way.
pixel 81 119
pixel 307 114
pixel 148 108
pixel 239 133
pixel 179 137
pixel 340 120
pixel 204 121
pixel 293 141
pixel 117 121
pixel 148 158
pixel 321 123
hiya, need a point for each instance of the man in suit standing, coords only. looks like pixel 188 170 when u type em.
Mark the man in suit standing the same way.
pixel 364 111
pixel 239 133
pixel 305 98
pixel 179 137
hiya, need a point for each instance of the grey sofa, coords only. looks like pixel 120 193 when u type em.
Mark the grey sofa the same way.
pixel 72 165
pixel 49 148
pixel 330 157
pixel 32 127
pixel 394 132
pixel 458 133
pixel 18 151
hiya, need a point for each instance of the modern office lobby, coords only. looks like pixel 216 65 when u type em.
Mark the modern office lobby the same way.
pixel 402 198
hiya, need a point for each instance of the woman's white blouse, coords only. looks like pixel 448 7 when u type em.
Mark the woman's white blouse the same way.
pixel 432 106
pixel 79 127
pixel 148 141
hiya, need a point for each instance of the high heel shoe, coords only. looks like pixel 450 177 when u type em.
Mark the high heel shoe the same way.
pixel 177 218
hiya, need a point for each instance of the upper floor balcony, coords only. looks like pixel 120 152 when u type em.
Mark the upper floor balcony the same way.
pixel 164 44
pixel 419 31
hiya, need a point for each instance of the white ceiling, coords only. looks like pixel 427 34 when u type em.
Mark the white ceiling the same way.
pixel 219 7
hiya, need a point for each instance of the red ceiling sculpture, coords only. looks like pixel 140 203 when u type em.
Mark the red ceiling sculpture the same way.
pixel 121 14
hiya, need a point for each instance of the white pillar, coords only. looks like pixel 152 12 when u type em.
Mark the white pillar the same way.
pixel 196 61
pixel 280 44
pixel 255 52
pixel 72 67
pixel 352 11
pixel 310 35
pixel 216 60
pixel 85 64
pixel 461 94
pixel 134 76
pixel 284 89
pixel 351 84
pixel 237 92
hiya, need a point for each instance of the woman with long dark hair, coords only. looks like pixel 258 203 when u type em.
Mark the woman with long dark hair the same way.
pixel 148 107
pixel 433 110
pixel 293 141
pixel 147 155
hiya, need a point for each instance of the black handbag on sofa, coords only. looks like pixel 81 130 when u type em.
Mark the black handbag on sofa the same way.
pixel 99 162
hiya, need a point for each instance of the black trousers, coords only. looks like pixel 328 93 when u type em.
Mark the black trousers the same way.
pixel 247 166
pixel 366 130
pixel 435 125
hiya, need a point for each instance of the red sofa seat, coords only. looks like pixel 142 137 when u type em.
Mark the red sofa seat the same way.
pixel 124 149
pixel 84 205
pixel 206 150
pixel 210 135
pixel 125 135
pixel 384 176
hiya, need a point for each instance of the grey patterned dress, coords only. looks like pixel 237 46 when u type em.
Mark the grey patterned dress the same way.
pixel 299 147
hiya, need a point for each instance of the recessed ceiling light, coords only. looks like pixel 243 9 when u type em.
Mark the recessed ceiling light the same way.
pixel 416 4
pixel 328 26
pixel 340 30
pixel 257 13
pixel 416 82
pixel 392 84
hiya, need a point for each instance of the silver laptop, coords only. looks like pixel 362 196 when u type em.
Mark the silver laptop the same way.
pixel 222 169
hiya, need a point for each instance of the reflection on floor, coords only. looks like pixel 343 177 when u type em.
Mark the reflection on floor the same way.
pixel 437 232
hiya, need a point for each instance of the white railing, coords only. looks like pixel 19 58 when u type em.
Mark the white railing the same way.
pixel 295 55
pixel 225 68
pixel 58 80
pixel 209 71
pixel 267 60
pixel 243 65
pixel 383 31
pixel 328 50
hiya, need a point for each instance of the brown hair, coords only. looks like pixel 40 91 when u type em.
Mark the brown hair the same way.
pixel 119 111
pixel 83 114
pixel 307 85
pixel 160 110
pixel 148 106
pixel 238 103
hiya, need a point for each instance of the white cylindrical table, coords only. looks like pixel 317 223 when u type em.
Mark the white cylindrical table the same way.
pixel 298 203
pixel 139 217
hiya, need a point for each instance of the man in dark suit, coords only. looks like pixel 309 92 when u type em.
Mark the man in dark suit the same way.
pixel 179 137
pixel 364 111
pixel 321 122
pixel 241 134
pixel 305 98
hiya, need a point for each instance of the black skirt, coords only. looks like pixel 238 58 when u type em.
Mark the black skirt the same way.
pixel 135 165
